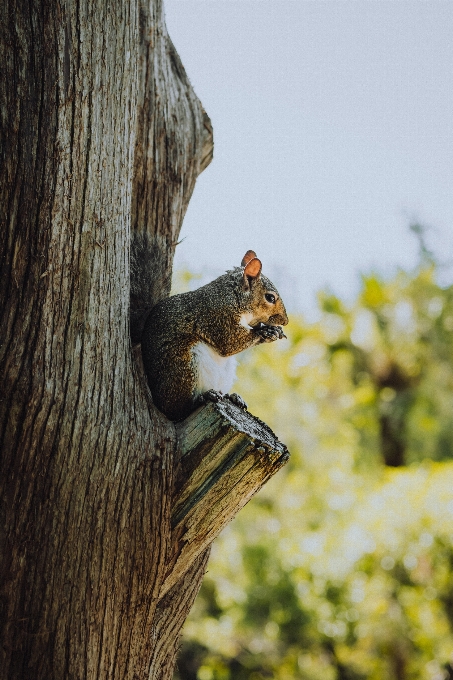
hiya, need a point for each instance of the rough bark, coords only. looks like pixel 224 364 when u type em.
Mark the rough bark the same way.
pixel 174 144
pixel 102 139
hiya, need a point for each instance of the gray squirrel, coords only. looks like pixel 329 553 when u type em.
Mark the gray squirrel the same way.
pixel 189 340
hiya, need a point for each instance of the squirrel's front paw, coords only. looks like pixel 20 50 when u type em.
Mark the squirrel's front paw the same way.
pixel 210 395
pixel 269 333
pixel 237 400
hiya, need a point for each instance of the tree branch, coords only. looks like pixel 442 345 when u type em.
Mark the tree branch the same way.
pixel 226 456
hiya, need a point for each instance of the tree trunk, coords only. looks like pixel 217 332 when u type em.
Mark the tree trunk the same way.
pixel 102 139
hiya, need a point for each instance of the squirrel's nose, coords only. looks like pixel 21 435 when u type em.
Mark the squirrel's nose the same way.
pixel 279 320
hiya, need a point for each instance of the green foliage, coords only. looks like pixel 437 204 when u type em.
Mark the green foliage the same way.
pixel 340 569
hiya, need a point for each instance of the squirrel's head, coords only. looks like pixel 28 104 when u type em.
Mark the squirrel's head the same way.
pixel 264 304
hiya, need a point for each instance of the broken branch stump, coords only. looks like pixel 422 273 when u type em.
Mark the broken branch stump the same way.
pixel 227 454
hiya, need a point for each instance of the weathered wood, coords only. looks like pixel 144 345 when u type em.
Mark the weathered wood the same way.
pixel 101 135
pixel 172 609
pixel 174 144
pixel 227 454
pixel 102 141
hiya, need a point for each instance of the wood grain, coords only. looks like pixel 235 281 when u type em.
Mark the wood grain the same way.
pixel 102 138
pixel 227 455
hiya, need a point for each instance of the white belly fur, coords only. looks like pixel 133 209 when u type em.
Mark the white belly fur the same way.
pixel 214 372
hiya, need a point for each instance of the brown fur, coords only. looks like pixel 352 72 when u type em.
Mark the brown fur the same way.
pixel 210 314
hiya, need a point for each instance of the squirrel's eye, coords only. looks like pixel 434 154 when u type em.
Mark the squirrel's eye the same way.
pixel 269 297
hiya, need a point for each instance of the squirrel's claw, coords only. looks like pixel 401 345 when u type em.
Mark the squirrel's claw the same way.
pixel 281 334
pixel 210 395
pixel 269 333
pixel 216 396
pixel 237 400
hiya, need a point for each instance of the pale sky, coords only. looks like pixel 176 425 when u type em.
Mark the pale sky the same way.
pixel 333 130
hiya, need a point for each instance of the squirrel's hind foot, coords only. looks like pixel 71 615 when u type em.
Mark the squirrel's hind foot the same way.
pixel 210 395
pixel 216 396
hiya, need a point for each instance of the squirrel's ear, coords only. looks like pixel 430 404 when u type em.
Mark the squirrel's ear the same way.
pixel 249 255
pixel 252 271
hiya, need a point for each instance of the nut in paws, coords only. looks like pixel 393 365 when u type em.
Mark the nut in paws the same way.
pixel 269 333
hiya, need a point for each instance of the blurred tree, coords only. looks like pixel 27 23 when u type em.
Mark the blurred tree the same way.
pixel 399 336
pixel 341 568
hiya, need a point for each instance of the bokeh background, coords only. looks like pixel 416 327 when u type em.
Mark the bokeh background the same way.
pixel 333 127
